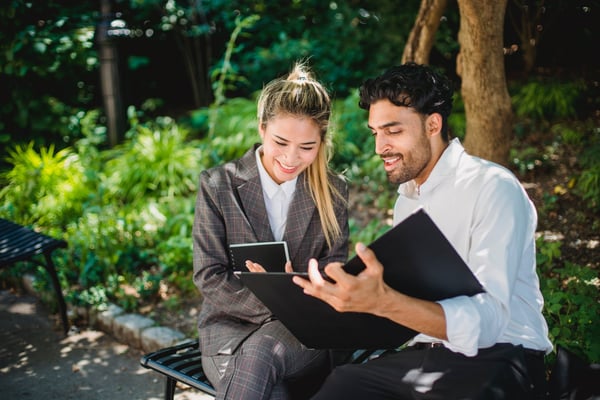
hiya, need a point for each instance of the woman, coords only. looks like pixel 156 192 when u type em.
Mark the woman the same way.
pixel 279 190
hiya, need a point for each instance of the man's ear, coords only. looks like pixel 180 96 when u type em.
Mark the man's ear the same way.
pixel 433 124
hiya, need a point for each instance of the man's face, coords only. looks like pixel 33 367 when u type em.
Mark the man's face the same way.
pixel 401 141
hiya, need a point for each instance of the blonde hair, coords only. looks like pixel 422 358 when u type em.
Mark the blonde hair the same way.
pixel 300 94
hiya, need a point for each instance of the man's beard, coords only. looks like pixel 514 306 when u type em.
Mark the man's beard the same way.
pixel 412 162
pixel 399 177
pixel 407 172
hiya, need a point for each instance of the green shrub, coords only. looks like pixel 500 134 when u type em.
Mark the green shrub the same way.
pixel 147 285
pixel 571 301
pixel 157 162
pixel 366 234
pixel 457 121
pixel 547 100
pixel 46 188
pixel 174 246
pixel 583 139
pixel 235 130
pixel 352 140
pixel 569 135
pixel 588 184
pixel 529 158
pixel 94 296
pixel 111 240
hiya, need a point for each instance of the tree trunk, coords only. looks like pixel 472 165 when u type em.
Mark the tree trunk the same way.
pixel 421 38
pixel 196 50
pixel 529 22
pixel 480 64
pixel 110 80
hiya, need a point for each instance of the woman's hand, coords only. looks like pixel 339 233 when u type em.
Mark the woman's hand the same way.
pixel 256 267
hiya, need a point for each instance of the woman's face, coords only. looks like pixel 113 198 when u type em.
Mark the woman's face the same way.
pixel 290 144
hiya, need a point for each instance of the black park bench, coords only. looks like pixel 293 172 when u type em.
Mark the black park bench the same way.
pixel 570 378
pixel 181 363
pixel 18 243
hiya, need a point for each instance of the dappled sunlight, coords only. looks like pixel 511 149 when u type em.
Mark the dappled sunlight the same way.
pixel 38 362
pixel 145 371
pixel 73 344
pixel 22 308
pixel 421 381
pixel 15 353
pixel 20 363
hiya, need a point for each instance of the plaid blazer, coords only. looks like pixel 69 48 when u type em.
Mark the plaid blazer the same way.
pixel 230 208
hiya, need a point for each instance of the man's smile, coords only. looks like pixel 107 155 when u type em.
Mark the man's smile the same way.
pixel 389 162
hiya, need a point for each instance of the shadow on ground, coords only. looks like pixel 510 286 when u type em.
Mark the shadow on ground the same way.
pixel 38 362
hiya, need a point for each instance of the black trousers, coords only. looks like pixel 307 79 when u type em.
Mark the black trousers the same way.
pixel 503 371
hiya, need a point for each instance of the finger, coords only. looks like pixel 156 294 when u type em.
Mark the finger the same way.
pixel 314 274
pixel 315 285
pixel 288 267
pixel 315 279
pixel 335 271
pixel 254 267
pixel 301 281
pixel 368 257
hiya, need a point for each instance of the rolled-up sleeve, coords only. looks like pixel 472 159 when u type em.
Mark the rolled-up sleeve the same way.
pixel 462 325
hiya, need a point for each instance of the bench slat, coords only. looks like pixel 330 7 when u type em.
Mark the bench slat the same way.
pixel 183 363
pixel 18 243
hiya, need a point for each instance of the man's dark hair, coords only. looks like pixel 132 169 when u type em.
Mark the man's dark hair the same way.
pixel 411 85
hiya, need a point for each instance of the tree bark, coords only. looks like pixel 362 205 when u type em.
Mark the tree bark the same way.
pixel 110 80
pixel 422 35
pixel 529 22
pixel 196 50
pixel 480 64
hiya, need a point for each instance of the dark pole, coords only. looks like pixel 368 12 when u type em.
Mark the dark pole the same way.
pixel 109 76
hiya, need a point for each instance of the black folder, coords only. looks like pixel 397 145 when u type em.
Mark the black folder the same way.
pixel 418 261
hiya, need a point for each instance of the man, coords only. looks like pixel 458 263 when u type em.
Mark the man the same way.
pixel 488 346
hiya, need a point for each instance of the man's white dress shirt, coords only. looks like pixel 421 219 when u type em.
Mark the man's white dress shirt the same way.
pixel 486 214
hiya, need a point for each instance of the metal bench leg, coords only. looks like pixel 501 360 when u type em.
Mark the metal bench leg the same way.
pixel 170 384
pixel 59 296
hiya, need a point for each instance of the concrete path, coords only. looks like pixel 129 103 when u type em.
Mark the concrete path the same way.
pixel 38 362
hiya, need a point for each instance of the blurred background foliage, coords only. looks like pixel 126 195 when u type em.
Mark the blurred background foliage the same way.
pixel 127 210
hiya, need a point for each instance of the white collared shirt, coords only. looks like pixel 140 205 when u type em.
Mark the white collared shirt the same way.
pixel 277 198
pixel 486 214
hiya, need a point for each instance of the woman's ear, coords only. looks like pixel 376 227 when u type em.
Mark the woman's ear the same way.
pixel 261 130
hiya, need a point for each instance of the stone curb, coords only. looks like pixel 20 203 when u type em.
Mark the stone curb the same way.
pixel 132 329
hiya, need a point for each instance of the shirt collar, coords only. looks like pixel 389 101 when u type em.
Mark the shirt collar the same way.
pixel 269 186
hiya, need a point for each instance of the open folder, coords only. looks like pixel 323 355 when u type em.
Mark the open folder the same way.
pixel 418 261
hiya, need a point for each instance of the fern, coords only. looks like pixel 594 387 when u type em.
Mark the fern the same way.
pixel 45 187
pixel 547 100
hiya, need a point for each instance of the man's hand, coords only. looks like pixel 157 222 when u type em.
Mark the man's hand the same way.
pixel 361 293
pixel 368 293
